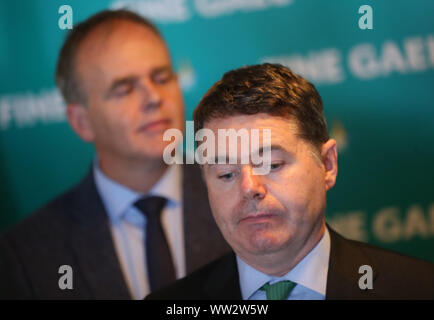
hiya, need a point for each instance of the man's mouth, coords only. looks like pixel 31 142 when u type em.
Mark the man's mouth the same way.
pixel 258 217
pixel 156 126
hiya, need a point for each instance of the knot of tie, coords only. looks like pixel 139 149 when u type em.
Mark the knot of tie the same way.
pixel 279 290
pixel 151 206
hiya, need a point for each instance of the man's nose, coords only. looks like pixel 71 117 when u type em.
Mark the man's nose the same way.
pixel 151 95
pixel 252 185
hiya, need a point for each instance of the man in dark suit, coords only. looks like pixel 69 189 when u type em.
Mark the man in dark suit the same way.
pixel 275 220
pixel 134 223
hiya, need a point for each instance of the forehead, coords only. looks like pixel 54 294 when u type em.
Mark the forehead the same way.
pixel 283 130
pixel 121 47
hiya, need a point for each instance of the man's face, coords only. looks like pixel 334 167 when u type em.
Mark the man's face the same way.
pixel 133 94
pixel 266 214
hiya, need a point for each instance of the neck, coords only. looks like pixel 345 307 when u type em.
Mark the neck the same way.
pixel 280 263
pixel 137 175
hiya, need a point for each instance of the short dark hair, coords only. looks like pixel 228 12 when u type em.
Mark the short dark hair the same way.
pixel 66 77
pixel 266 88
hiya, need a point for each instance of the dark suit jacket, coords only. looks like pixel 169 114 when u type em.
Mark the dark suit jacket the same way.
pixel 74 230
pixel 394 276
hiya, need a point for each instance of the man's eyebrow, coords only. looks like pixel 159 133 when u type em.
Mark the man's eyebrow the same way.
pixel 163 69
pixel 133 78
pixel 260 151
pixel 273 147
pixel 218 159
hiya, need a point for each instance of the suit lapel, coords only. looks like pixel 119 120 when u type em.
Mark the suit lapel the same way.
pixel 92 244
pixel 343 274
pixel 203 241
pixel 223 282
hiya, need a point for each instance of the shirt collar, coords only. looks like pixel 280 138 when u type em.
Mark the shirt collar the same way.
pixel 310 272
pixel 117 198
pixel 169 185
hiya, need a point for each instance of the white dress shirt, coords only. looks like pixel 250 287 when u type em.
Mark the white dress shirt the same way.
pixel 128 225
pixel 310 274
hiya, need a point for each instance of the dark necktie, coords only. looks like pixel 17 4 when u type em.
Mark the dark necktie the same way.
pixel 161 271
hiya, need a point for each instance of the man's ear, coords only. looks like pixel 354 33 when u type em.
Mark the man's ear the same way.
pixel 78 119
pixel 329 156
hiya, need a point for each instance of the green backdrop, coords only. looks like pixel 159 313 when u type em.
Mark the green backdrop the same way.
pixel 377 86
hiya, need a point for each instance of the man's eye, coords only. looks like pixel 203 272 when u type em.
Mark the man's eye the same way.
pixel 276 166
pixel 226 176
pixel 163 77
pixel 123 90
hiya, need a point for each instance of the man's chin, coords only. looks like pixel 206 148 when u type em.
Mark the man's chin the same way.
pixel 151 151
pixel 264 243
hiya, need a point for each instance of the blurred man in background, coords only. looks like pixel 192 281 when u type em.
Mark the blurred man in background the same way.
pixel 133 224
